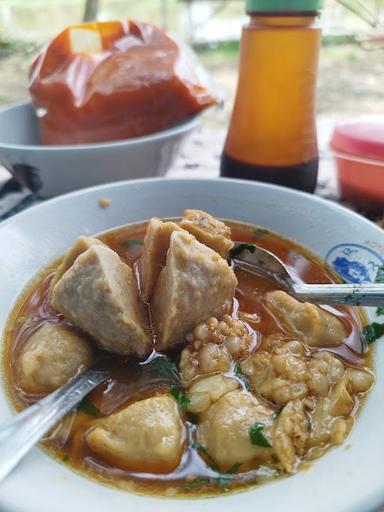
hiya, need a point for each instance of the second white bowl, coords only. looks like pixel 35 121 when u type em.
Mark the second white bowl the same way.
pixel 54 170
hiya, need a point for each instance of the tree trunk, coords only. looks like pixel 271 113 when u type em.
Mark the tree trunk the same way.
pixel 91 10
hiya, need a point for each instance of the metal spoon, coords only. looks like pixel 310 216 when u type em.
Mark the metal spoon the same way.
pixel 263 263
pixel 24 430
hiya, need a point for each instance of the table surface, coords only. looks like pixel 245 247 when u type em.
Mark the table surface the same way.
pixel 199 158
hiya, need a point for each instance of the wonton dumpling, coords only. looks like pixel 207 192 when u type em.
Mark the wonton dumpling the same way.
pixel 82 243
pixel 330 421
pixel 148 435
pixel 209 231
pixel 196 284
pixel 291 434
pixel 310 323
pixel 203 393
pixel 224 429
pixel 281 370
pixel 154 254
pixel 99 295
pixel 51 356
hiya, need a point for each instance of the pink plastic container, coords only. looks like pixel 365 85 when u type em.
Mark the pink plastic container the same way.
pixel 358 146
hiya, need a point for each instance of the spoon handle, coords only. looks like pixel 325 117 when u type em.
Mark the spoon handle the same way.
pixel 24 430
pixel 349 294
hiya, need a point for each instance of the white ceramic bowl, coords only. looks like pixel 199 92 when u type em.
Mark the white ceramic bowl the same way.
pixel 346 479
pixel 52 170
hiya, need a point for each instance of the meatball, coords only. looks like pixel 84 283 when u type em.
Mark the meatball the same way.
pixel 51 356
pixel 208 230
pixel 100 296
pixel 224 430
pixel 312 325
pixel 148 435
pixel 195 284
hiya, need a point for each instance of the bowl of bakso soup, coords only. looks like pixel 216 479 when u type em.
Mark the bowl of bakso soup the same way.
pixel 218 381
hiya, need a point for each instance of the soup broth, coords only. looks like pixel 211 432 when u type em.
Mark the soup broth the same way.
pixel 197 474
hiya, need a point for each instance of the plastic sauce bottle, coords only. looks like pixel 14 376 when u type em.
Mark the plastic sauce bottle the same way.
pixel 272 133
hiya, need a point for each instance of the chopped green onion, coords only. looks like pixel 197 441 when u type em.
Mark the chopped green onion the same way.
pixel 239 248
pixel 257 436
pixel 373 332
pixel 181 398
pixel 258 233
pixel 380 275
pixel 130 243
pixel 240 375
pixel 87 406
pixel 195 483
pixel 200 448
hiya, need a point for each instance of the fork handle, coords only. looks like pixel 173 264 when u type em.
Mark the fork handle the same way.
pixel 349 294
pixel 24 430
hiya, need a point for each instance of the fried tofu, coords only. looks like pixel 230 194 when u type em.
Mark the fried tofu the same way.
pixel 51 356
pixel 98 293
pixel 81 244
pixel 154 254
pixel 148 435
pixel 311 324
pixel 195 284
pixel 209 231
pixel 206 229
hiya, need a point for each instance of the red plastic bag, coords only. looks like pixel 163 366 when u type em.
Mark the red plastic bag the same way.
pixel 98 82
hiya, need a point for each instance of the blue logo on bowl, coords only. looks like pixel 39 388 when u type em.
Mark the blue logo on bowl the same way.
pixel 355 263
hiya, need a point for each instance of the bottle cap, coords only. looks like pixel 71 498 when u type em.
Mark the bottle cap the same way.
pixel 273 6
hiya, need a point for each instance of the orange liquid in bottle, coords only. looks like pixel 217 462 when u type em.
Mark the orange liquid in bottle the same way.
pixel 272 134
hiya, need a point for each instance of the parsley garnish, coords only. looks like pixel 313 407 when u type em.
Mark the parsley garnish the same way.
pixel 181 398
pixel 373 332
pixel 195 483
pixel 240 375
pixel 65 458
pixel 200 448
pixel 166 370
pixel 380 279
pixel 257 436
pixel 309 424
pixel 258 233
pixel 233 469
pixel 88 407
pixel 223 480
pixel 239 248
pixel 130 243
pixel 276 414
pixel 380 275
